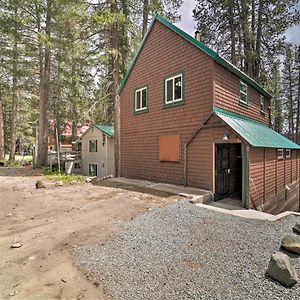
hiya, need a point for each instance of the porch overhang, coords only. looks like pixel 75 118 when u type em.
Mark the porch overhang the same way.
pixel 254 133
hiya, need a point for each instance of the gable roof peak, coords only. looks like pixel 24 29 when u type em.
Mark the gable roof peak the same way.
pixel 211 53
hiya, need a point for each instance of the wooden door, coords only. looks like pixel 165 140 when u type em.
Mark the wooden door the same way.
pixel 222 169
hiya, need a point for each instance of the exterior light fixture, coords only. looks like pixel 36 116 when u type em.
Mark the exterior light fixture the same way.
pixel 225 137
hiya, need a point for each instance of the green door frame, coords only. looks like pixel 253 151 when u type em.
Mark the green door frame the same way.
pixel 245 175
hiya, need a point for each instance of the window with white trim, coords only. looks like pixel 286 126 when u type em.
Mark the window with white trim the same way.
pixel 174 89
pixel 93 146
pixel 140 99
pixel 243 93
pixel 262 104
pixel 280 153
pixel 288 153
pixel 93 170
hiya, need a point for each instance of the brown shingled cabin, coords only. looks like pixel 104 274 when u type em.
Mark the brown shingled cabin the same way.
pixel 189 117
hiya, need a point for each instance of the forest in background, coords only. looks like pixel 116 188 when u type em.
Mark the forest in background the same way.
pixel 62 60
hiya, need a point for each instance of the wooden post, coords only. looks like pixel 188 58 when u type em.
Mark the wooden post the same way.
pixel 245 175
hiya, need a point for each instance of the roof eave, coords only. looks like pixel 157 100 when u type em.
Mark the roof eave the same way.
pixel 211 53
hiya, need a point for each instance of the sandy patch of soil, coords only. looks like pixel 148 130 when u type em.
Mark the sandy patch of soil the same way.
pixel 50 223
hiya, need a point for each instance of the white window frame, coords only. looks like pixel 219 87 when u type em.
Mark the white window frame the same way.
pixel 244 93
pixel 288 153
pixel 166 89
pixel 96 169
pixel 96 150
pixel 141 100
pixel 262 104
pixel 280 156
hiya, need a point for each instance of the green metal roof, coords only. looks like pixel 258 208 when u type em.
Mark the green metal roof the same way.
pixel 108 130
pixel 214 55
pixel 253 132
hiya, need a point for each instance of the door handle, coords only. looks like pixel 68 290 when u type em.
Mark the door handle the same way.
pixel 228 171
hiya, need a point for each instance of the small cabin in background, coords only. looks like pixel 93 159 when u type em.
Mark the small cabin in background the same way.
pixel 66 144
pixel 97 151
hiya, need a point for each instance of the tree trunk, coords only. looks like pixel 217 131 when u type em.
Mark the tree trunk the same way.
pixel 232 31
pixel 145 16
pixel 2 154
pixel 298 100
pixel 42 154
pixel 115 82
pixel 291 106
pixel 124 38
pixel 246 37
pixel 257 61
pixel 13 127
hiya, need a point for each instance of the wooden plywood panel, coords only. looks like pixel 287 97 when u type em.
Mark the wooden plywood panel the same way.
pixel 169 147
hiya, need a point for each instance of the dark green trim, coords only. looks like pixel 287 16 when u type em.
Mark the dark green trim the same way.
pixel 137 112
pixel 178 103
pixel 245 175
pixel 234 115
pixel 169 105
pixel 230 67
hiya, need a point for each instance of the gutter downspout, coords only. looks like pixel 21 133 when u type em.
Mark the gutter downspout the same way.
pixel 186 147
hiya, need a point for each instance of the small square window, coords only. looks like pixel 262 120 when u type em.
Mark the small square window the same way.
pixel 280 153
pixel 141 99
pixel 243 93
pixel 93 146
pixel 173 89
pixel 288 153
pixel 93 169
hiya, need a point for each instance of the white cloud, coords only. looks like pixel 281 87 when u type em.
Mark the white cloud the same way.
pixel 293 34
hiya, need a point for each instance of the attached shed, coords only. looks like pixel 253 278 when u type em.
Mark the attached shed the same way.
pixel 97 156
pixel 268 165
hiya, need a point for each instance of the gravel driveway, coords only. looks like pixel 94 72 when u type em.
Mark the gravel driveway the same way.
pixel 185 252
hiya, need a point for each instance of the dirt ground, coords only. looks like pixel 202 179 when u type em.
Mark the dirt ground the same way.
pixel 50 223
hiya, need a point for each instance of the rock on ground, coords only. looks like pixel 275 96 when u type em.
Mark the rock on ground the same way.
pixel 281 269
pixel 296 228
pixel 291 243
pixel 40 184
pixel 183 252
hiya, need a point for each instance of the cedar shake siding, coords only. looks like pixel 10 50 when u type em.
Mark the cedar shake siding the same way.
pixel 227 96
pixel 163 54
pixel 268 178
pixel 222 147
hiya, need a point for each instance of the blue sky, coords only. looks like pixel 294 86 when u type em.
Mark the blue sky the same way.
pixel 188 25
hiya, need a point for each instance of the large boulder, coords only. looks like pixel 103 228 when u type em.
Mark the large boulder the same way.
pixel 296 228
pixel 291 243
pixel 281 269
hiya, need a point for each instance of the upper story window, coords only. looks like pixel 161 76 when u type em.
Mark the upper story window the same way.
pixel 141 99
pixel 262 104
pixel 93 146
pixel 243 93
pixel 173 89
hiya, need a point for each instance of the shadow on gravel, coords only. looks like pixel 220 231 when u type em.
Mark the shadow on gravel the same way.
pixel 19 172
pixel 133 188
